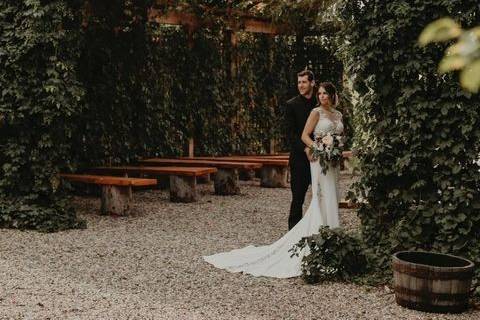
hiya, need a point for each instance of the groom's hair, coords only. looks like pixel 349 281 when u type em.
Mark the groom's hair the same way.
pixel 308 73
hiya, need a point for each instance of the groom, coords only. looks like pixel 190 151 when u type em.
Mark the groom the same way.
pixel 296 113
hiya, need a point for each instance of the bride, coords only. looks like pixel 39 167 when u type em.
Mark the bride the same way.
pixel 275 260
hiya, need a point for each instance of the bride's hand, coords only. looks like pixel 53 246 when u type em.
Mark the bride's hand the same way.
pixel 309 154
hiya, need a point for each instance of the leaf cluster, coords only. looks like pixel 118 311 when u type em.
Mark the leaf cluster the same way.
pixel 417 131
pixel 332 255
pixel 93 83
pixel 39 101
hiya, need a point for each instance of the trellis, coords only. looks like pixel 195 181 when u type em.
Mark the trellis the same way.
pixel 235 21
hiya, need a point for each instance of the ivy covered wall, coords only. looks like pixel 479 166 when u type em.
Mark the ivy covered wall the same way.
pixel 40 101
pixel 83 86
pixel 418 132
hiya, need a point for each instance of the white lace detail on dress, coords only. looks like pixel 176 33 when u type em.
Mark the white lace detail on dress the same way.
pixel 328 123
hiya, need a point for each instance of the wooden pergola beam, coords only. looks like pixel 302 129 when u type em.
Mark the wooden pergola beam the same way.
pixel 259 26
pixel 242 23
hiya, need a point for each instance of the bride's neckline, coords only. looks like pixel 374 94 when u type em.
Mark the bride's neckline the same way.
pixel 329 110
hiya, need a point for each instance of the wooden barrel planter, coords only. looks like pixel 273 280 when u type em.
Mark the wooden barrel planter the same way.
pixel 432 282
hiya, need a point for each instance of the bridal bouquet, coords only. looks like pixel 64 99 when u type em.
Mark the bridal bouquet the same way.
pixel 327 149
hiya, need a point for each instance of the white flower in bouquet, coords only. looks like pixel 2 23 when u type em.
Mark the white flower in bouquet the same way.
pixel 327 140
pixel 327 149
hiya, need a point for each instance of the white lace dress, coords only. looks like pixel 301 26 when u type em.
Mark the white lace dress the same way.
pixel 274 260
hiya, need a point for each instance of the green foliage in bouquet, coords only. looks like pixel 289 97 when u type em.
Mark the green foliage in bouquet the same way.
pixel 327 150
pixel 334 255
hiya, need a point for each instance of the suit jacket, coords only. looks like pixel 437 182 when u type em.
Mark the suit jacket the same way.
pixel 297 111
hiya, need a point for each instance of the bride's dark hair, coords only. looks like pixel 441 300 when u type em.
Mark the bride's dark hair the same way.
pixel 331 90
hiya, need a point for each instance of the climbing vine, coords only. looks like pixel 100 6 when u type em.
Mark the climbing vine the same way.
pixel 87 83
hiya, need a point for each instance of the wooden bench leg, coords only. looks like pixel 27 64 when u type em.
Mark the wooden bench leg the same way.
pixel 342 164
pixel 274 177
pixel 163 182
pixel 226 182
pixel 204 179
pixel 183 189
pixel 116 200
pixel 246 175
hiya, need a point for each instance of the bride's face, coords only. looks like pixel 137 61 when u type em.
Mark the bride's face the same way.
pixel 324 97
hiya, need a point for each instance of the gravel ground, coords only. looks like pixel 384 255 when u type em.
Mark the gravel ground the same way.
pixel 149 266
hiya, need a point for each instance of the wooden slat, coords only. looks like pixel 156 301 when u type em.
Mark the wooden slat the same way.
pixel 180 171
pixel 237 23
pixel 173 18
pixel 254 158
pixel 345 154
pixel 344 204
pixel 108 180
pixel 194 162
pixel 258 26
pixel 348 205
pixel 269 162
pixel 266 156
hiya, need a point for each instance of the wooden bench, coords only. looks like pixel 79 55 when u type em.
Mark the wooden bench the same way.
pixel 284 156
pixel 183 180
pixel 344 204
pixel 226 178
pixel 116 191
pixel 346 154
pixel 273 173
pixel 263 156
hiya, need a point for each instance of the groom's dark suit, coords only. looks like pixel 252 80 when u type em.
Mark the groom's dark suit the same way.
pixel 297 111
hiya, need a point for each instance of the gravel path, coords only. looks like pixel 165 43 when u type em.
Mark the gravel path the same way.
pixel 149 266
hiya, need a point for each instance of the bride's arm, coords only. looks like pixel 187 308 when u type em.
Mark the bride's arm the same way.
pixel 307 131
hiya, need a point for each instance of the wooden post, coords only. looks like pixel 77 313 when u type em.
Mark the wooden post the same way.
pixel 246 175
pixel 183 189
pixel 233 55
pixel 274 177
pixel 191 145
pixel 226 182
pixel 272 146
pixel 191 44
pixel 116 200
pixel 272 100
pixel 204 179
pixel 300 61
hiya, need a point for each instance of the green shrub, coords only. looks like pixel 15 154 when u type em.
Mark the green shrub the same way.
pixel 39 102
pixel 333 255
pixel 418 132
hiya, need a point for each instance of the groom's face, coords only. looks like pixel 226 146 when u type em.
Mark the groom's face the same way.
pixel 305 86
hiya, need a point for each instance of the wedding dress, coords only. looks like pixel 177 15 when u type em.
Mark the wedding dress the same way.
pixel 275 260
